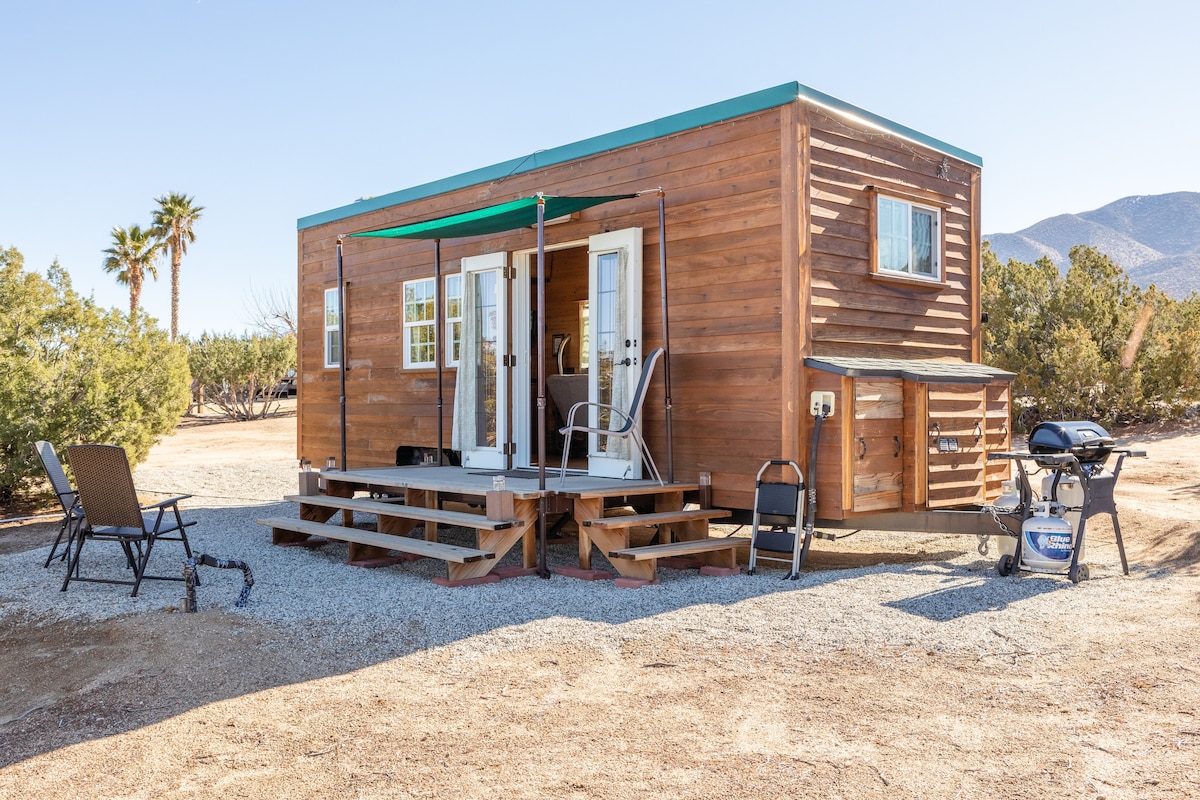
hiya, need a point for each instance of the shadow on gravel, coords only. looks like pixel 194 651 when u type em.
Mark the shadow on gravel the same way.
pixel 971 596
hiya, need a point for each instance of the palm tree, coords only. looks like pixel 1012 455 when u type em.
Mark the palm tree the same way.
pixel 132 255
pixel 173 221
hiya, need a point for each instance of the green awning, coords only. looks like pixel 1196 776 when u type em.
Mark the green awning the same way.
pixel 493 219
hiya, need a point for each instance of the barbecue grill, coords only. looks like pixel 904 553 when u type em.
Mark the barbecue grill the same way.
pixel 1087 441
pixel 1070 449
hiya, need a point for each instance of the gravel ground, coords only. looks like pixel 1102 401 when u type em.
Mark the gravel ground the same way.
pixel 898 665
pixel 954 603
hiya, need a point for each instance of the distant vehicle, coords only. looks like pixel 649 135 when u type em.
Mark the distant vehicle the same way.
pixel 287 385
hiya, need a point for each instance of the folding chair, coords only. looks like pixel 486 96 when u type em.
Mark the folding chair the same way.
pixel 629 428
pixel 67 497
pixel 111 512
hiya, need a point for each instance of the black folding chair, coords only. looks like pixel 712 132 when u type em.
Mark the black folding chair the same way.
pixel 67 497
pixel 111 512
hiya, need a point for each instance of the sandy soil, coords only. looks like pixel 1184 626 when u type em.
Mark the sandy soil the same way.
pixel 203 705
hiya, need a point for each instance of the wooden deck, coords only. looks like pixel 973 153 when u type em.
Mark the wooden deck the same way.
pixel 424 488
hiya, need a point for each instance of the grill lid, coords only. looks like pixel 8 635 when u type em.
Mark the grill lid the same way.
pixel 1087 441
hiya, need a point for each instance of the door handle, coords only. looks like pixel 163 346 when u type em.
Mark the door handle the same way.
pixel 896 454
pixel 627 362
pixel 863 444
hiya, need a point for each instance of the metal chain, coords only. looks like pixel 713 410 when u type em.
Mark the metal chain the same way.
pixel 995 512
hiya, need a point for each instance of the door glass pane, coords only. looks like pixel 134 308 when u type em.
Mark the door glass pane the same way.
pixel 603 321
pixel 487 333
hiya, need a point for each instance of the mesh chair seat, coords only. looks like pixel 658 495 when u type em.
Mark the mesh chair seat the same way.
pixel 111 512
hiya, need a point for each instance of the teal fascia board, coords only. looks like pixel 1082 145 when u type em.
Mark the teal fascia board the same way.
pixel 705 115
pixel 829 101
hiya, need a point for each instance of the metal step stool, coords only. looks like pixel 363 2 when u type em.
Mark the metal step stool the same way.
pixel 778 506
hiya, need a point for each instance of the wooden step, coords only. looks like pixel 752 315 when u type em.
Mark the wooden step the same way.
pixel 392 509
pixel 658 518
pixel 402 544
pixel 685 548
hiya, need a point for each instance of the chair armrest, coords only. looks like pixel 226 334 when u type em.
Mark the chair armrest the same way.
pixel 585 404
pixel 165 503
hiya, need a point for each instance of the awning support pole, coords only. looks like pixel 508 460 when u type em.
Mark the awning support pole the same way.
pixel 543 568
pixel 437 338
pixel 666 328
pixel 341 347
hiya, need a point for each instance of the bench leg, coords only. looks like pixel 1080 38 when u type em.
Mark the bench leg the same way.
pixel 527 512
pixel 638 570
pixel 725 558
pixel 585 509
pixel 670 501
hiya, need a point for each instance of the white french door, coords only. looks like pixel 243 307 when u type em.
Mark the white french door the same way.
pixel 481 396
pixel 614 346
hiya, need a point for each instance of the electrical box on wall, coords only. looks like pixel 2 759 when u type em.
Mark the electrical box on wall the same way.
pixel 822 403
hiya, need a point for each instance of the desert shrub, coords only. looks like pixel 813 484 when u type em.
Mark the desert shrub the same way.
pixel 1089 344
pixel 238 374
pixel 72 372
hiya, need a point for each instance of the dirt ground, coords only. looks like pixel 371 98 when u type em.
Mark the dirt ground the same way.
pixel 206 705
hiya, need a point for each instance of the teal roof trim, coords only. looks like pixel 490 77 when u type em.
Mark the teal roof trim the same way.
pixel 705 115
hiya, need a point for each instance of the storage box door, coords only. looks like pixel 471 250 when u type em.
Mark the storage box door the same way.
pixel 956 447
pixel 877 452
pixel 999 437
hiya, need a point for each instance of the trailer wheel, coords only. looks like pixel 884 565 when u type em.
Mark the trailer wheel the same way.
pixel 1005 565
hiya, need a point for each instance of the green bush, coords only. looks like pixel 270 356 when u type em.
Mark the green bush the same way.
pixel 1071 341
pixel 239 374
pixel 71 372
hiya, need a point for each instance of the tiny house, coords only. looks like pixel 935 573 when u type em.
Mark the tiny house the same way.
pixel 809 246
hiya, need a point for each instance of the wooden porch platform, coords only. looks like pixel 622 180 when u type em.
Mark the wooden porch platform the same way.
pixel 424 487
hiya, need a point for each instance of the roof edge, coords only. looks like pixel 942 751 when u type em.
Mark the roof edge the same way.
pixel 675 123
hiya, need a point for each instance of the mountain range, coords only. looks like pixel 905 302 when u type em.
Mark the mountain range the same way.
pixel 1155 239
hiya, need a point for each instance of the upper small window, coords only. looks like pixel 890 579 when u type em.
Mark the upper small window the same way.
pixel 908 239
pixel 333 348
pixel 419 323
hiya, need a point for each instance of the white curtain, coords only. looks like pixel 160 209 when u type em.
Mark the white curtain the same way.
pixel 621 390
pixel 463 435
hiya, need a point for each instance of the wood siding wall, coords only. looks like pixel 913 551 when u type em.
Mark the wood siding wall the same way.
pixel 767 245
pixel 724 253
pixel 855 314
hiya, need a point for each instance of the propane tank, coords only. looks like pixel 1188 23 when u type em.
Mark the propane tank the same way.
pixel 1046 539
pixel 1008 500
pixel 1070 494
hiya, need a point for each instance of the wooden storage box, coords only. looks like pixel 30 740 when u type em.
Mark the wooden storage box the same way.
pixel 908 435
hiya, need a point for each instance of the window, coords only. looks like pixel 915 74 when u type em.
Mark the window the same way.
pixel 908 239
pixel 419 323
pixel 454 296
pixel 333 345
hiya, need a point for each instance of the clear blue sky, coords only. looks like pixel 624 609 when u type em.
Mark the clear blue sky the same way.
pixel 270 111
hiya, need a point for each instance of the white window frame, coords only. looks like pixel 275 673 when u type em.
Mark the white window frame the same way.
pixel 412 325
pixel 333 354
pixel 935 244
pixel 452 294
